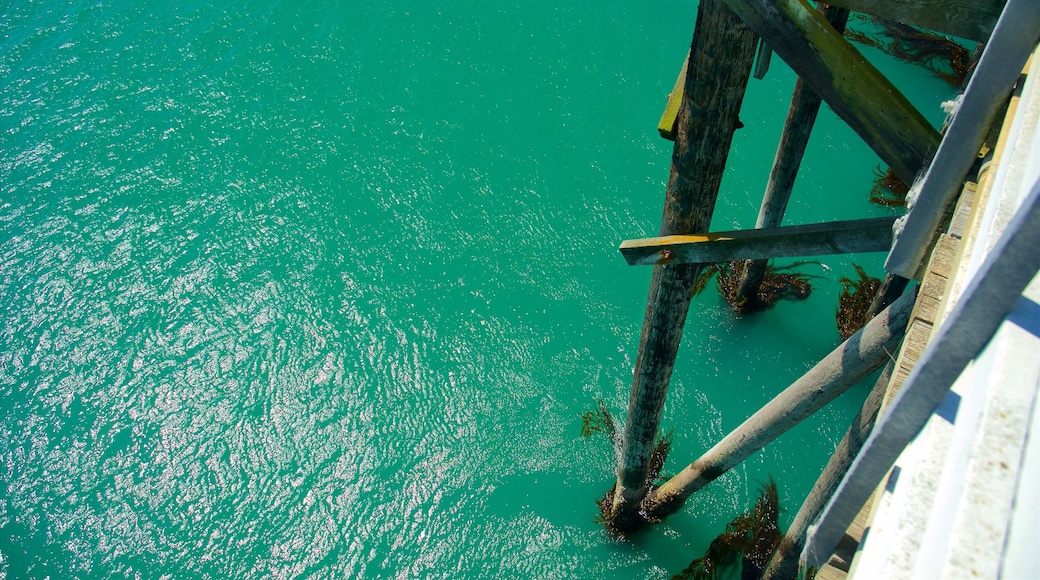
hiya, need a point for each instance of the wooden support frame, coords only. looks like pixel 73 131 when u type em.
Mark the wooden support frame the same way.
pixel 854 88
pixel 848 364
pixel 971 19
pixel 988 299
pixel 721 56
pixel 801 116
pixel 843 237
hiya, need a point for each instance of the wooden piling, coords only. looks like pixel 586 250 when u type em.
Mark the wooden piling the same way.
pixel 721 56
pixel 801 116
pixel 891 287
pixel 857 357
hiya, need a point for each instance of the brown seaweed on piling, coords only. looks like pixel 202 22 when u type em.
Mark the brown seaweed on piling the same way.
pixel 854 302
pixel 657 458
pixel 598 420
pixel 774 288
pixel 749 539
pixel 702 281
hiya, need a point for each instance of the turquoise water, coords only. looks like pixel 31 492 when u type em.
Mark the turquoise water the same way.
pixel 312 289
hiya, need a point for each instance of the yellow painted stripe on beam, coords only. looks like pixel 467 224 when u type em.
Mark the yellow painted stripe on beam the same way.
pixel 842 237
pixel 666 126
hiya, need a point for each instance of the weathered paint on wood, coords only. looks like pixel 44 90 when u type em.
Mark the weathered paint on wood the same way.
pixel 971 19
pixel 844 237
pixel 666 126
pixel 857 357
pixel 853 87
pixel 721 56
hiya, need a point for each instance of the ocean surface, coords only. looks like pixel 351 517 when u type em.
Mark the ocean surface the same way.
pixel 321 289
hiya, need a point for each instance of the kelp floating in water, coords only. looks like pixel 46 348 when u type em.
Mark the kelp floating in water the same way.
pixel 854 302
pixel 889 190
pixel 749 541
pixel 776 286
pixel 943 57
pixel 598 420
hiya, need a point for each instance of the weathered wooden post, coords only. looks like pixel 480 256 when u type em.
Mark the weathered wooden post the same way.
pixel 784 563
pixel 801 116
pixel 721 56
pixel 857 357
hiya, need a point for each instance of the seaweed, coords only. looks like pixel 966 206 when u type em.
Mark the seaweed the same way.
pixel 889 190
pixel 749 540
pixel 598 420
pixel 774 288
pixel 939 54
pixel 854 302
pixel 657 459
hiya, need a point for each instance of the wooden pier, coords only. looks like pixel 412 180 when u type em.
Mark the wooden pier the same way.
pixel 925 247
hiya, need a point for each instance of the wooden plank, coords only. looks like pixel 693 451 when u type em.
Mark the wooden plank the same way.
pixel 843 237
pixel 854 88
pixel 926 312
pixel 971 19
pixel 666 126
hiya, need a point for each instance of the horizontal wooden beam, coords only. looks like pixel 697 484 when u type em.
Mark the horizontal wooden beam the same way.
pixel 854 88
pixel 844 237
pixel 971 19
